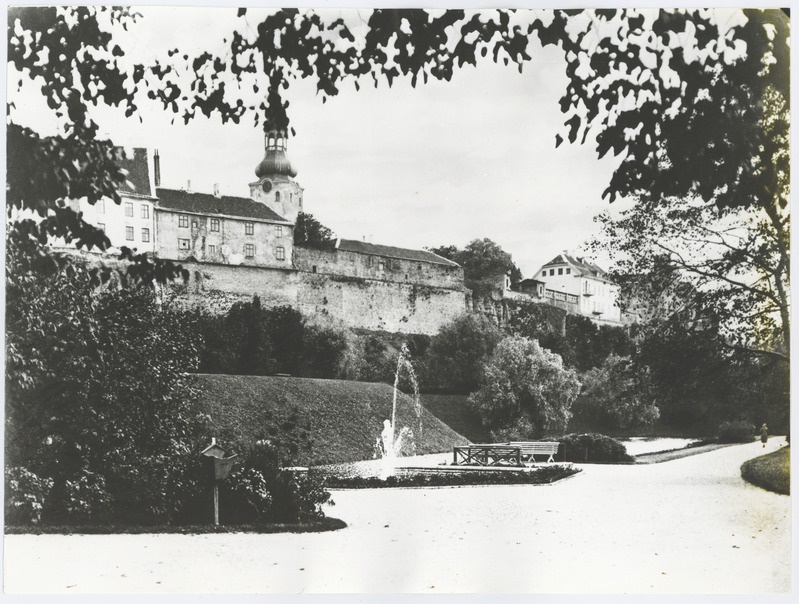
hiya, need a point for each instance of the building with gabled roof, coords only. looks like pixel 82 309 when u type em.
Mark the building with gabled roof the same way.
pixel 581 287
pixel 238 247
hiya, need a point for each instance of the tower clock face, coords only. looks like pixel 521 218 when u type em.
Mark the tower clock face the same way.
pixel 267 186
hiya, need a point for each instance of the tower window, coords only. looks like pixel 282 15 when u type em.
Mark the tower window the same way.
pixel 129 209
pixel 249 250
pixel 280 253
pixel 183 221
pixel 215 224
pixel 129 233
pixel 249 228
pixel 145 235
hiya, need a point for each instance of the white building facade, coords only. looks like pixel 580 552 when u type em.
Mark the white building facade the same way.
pixel 583 286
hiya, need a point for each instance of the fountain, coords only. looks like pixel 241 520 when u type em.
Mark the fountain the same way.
pixel 388 446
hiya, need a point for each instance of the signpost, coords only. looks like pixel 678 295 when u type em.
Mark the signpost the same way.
pixel 219 466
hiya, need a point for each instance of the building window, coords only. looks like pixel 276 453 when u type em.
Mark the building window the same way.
pixel 277 196
pixel 129 233
pixel 420 267
pixel 381 264
pixel 129 209
pixel 214 225
pixel 560 271
pixel 568 271
pixel 313 268
pixel 211 250
pixel 249 250
pixel 279 232
pixel 145 235
pixel 145 210
pixel 100 205
pixel 280 253
pixel 183 244
pixel 183 221
pixel 194 223
pixel 101 226
pixel 249 228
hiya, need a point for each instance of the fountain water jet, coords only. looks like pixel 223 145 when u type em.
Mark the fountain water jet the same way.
pixel 387 445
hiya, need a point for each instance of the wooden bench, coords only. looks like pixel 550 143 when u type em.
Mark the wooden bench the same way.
pixel 487 455
pixel 529 450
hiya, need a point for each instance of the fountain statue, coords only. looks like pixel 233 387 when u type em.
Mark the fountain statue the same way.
pixel 389 446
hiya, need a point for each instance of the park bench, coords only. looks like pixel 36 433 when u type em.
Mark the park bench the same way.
pixel 487 455
pixel 528 450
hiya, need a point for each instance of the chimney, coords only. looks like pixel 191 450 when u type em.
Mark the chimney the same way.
pixel 157 168
pixel 216 189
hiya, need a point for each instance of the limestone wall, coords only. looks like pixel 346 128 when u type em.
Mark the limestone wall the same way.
pixel 368 266
pixel 360 303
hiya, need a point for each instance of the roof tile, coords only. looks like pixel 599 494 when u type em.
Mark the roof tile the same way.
pixel 361 247
pixel 224 205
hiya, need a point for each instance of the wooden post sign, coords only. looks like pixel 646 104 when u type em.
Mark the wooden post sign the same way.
pixel 220 465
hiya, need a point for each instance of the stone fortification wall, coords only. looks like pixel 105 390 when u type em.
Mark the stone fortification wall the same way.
pixel 360 303
pixel 369 266
pixel 380 305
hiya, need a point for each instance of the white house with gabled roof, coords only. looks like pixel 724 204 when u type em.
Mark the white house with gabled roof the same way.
pixel 582 285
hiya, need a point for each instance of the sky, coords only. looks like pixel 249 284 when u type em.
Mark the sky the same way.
pixel 441 164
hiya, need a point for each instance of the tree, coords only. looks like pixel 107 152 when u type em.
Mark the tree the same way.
pixel 456 355
pixel 484 263
pixel 98 399
pixel 525 392
pixel 309 232
pixel 617 395
pixel 69 55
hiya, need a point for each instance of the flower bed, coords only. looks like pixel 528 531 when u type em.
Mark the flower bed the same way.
pixel 471 477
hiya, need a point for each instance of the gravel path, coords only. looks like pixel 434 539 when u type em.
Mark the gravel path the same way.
pixel 691 525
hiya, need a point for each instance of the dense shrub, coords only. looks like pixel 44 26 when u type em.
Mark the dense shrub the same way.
pixel 25 496
pixel 260 491
pixel 592 448
pixel 736 432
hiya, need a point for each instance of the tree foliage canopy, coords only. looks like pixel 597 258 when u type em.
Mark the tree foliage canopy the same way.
pixel 526 391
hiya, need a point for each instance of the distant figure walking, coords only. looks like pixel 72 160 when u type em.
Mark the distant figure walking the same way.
pixel 764 434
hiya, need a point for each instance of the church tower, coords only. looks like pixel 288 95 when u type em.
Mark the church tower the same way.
pixel 275 187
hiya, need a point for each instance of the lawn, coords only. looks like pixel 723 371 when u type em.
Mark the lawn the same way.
pixel 453 410
pixel 771 472
pixel 343 418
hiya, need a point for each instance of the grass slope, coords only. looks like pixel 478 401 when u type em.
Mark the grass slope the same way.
pixel 771 472
pixel 453 410
pixel 345 418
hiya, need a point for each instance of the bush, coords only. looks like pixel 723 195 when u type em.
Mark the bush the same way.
pixel 771 472
pixel 260 491
pixel 25 496
pixel 592 448
pixel 736 432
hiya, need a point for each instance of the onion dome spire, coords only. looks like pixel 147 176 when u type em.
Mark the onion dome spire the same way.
pixel 275 160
